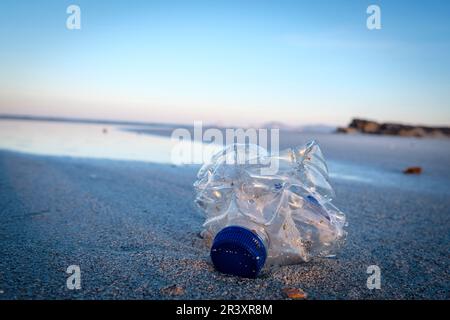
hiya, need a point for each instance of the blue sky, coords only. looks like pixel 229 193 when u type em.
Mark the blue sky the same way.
pixel 227 62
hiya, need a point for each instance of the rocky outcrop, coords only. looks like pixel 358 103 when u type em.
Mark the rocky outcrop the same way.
pixel 395 129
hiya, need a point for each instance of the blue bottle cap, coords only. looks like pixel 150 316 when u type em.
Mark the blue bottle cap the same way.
pixel 239 252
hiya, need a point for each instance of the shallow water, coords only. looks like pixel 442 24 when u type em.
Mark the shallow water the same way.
pixel 375 160
pixel 86 141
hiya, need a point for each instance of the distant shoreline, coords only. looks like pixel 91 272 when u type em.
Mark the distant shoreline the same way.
pixel 87 121
pixel 355 126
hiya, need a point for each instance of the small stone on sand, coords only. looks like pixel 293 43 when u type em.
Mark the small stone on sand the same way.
pixel 173 290
pixel 413 170
pixel 295 293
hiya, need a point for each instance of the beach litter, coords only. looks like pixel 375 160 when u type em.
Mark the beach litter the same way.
pixel 413 170
pixel 295 293
pixel 260 218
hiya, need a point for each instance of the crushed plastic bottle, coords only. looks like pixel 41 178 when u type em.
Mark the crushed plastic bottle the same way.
pixel 263 220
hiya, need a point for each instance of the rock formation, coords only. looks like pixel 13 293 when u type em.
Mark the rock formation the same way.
pixel 395 129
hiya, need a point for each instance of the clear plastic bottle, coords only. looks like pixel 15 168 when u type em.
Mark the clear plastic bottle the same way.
pixel 261 220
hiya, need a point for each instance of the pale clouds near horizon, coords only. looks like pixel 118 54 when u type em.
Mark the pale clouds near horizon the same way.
pixel 241 63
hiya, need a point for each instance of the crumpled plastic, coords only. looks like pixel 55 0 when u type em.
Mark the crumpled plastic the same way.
pixel 291 206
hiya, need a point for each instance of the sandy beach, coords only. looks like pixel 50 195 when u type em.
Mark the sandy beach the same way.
pixel 133 229
pixel 109 109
